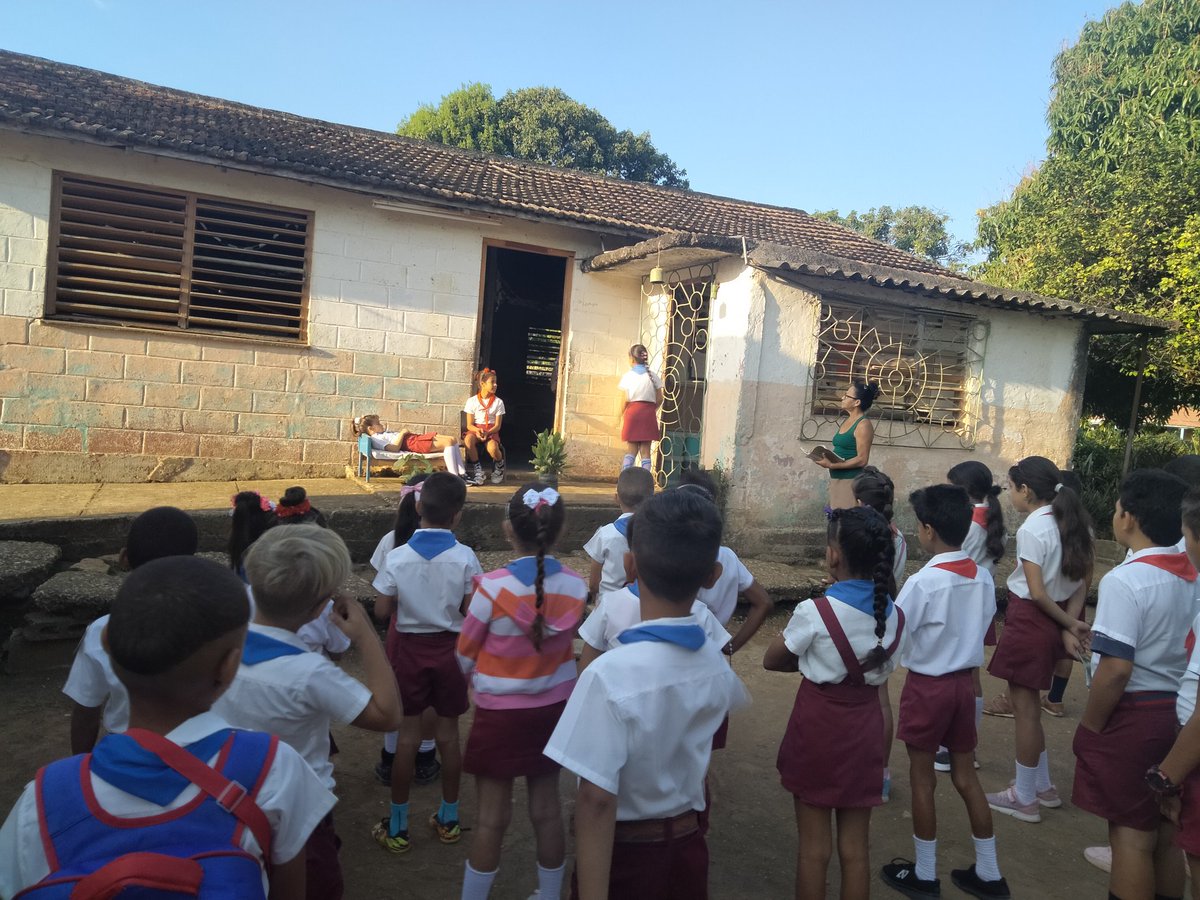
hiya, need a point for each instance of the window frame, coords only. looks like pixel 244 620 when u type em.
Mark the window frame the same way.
pixel 191 199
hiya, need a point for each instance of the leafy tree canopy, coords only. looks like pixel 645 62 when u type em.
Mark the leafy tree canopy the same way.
pixel 543 125
pixel 917 229
pixel 1113 214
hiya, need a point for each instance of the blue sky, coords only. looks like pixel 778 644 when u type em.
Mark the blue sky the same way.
pixel 810 104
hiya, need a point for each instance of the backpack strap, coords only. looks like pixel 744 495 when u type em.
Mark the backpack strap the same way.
pixel 173 875
pixel 229 795
pixel 854 670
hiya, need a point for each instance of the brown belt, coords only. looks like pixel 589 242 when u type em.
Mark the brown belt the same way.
pixel 653 831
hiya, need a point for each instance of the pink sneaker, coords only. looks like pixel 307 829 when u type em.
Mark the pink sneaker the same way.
pixel 1006 802
pixel 1048 798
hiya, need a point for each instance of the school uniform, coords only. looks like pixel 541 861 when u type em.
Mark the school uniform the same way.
pixel 838 698
pixel 618 611
pixel 429 576
pixel 1031 644
pixel 975 543
pixel 520 689
pixel 608 546
pixel 482 413
pixel 947 606
pixel 92 681
pixel 290 795
pixel 639 422
pixel 658 696
pixel 1188 834
pixel 319 635
pixel 1146 608
pixel 735 578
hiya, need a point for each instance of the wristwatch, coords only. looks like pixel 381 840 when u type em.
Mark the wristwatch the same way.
pixel 1160 783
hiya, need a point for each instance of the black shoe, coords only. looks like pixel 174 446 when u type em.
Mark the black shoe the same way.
pixel 426 771
pixel 902 875
pixel 967 880
pixel 383 768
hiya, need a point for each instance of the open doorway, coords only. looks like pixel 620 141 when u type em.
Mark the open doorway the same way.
pixel 521 338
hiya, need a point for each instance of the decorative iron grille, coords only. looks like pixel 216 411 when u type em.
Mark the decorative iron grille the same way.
pixel 674 329
pixel 928 364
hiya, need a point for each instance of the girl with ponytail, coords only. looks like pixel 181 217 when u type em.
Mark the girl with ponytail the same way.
pixel 641 396
pixel 517 645
pixel 832 756
pixel 986 540
pixel 1046 593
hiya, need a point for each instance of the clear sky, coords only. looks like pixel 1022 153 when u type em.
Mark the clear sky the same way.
pixel 798 102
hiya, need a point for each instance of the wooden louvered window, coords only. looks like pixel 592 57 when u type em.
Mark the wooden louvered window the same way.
pixel 141 256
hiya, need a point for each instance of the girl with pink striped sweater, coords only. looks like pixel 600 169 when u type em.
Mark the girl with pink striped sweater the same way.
pixel 517 647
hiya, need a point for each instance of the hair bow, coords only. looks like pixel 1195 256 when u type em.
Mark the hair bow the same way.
pixel 1058 487
pixel 410 489
pixel 300 509
pixel 537 499
pixel 832 514
pixel 264 503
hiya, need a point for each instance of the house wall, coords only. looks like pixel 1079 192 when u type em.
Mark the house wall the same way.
pixel 763 334
pixel 392 329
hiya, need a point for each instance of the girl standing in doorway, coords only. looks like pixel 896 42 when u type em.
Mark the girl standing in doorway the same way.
pixel 642 394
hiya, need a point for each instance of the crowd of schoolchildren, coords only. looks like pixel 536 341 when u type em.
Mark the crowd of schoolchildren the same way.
pixel 217 686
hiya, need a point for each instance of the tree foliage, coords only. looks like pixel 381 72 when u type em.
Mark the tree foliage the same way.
pixel 541 124
pixel 916 229
pixel 1113 214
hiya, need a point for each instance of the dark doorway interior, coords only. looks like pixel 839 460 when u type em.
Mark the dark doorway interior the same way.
pixel 522 339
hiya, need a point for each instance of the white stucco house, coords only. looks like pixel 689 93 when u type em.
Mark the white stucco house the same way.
pixel 197 289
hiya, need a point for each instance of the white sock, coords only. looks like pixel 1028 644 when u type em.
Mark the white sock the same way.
pixel 1026 785
pixel 389 741
pixel 1043 773
pixel 646 464
pixel 454 460
pixel 986 866
pixel 426 746
pixel 926 852
pixel 550 881
pixel 627 461
pixel 477 885
pixel 978 713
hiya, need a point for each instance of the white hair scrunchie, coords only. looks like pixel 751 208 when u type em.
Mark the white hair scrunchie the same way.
pixel 534 499
pixel 1058 487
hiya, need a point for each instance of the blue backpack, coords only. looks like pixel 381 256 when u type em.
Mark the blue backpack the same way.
pixel 192 851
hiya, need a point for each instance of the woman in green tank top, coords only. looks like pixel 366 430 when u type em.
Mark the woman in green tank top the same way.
pixel 851 444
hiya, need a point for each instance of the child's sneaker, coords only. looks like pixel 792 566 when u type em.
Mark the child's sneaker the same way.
pixel 1048 798
pixel 498 472
pixel 476 478
pixel 1000 706
pixel 1006 802
pixel 447 832
pixel 966 880
pixel 393 843
pixel 426 771
pixel 1050 708
pixel 1100 857
pixel 902 875
pixel 941 761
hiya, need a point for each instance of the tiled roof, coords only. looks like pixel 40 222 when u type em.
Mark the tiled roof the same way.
pixel 39 95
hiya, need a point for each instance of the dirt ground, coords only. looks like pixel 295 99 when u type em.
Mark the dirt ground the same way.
pixel 753 838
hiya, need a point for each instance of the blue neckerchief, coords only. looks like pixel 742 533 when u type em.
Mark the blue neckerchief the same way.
pixel 622 526
pixel 859 594
pixel 262 647
pixel 640 368
pixel 634 589
pixel 428 544
pixel 525 568
pixel 241 573
pixel 690 637
pixel 122 763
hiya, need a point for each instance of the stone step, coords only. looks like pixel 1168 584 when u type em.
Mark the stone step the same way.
pixel 23 566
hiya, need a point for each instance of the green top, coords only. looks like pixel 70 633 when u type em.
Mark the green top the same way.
pixel 846 447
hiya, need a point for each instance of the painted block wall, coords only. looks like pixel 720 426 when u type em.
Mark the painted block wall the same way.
pixel 392 330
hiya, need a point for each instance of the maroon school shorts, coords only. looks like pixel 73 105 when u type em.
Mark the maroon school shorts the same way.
pixel 1029 648
pixel 419 443
pixel 1188 835
pixel 662 870
pixel 322 868
pixel 508 743
pixel 938 711
pixel 1110 767
pixel 826 772
pixel 427 673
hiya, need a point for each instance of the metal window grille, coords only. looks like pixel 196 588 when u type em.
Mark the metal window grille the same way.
pixel 154 258
pixel 541 355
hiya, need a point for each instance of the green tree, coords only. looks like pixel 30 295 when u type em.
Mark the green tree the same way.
pixel 916 229
pixel 1113 214
pixel 545 125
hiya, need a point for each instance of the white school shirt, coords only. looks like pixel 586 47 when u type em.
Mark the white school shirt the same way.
pixel 640 387
pixel 296 697
pixel 92 681
pixel 385 439
pixel 429 592
pixel 1143 615
pixel 320 635
pixel 1179 548
pixel 291 796
pixel 479 415
pixel 1185 703
pixel 805 636
pixel 386 545
pixel 608 547
pixel 946 616
pixel 900 556
pixel 975 543
pixel 1039 542
pixel 620 610
pixel 721 598
pixel 640 723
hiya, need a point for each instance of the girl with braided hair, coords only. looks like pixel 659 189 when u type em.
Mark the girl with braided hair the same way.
pixel 517 646
pixel 832 754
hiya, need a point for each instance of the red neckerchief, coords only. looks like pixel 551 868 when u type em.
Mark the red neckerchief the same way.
pixel 963 567
pixel 486 407
pixel 1177 564
pixel 979 516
